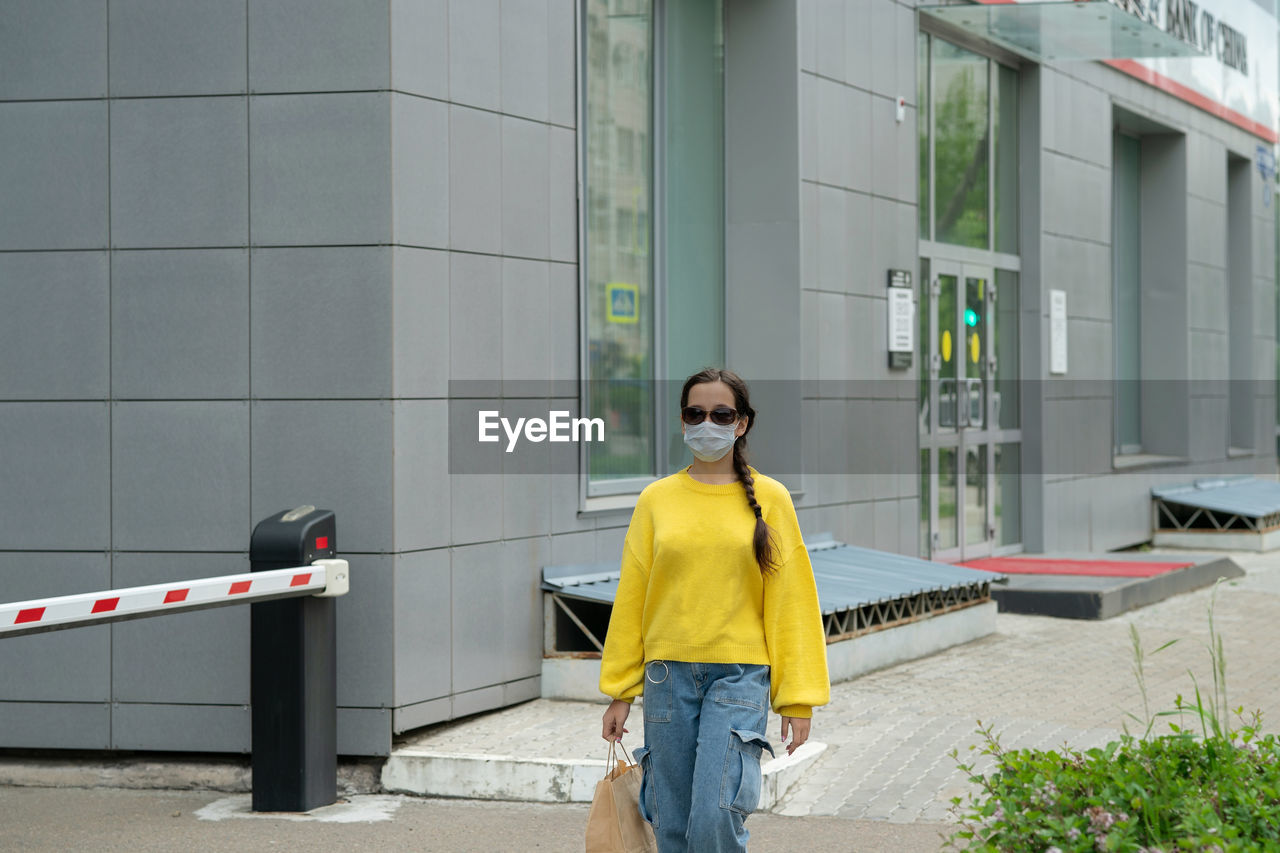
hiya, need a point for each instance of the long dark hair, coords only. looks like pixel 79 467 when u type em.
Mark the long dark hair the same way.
pixel 766 549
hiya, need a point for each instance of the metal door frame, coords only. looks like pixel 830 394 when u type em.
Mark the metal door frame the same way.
pixel 961 438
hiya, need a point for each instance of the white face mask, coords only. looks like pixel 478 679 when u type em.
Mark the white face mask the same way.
pixel 710 442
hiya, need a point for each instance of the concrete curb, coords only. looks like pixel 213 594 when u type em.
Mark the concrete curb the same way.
pixel 433 773
pixel 232 775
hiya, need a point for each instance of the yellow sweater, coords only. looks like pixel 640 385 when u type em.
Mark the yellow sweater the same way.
pixel 691 590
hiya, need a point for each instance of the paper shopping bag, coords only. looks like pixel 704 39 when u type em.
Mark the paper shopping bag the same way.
pixel 614 824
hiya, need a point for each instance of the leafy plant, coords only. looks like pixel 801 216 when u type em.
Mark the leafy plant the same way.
pixel 1211 787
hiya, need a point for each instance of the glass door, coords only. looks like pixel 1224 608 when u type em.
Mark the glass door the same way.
pixel 957 432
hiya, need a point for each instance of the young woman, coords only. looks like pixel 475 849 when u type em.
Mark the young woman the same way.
pixel 716 621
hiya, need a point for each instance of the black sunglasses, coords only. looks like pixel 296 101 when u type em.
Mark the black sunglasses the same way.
pixel 722 415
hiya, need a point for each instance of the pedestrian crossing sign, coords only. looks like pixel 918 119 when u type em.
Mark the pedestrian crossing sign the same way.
pixel 623 302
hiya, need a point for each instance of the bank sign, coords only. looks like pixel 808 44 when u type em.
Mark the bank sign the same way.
pixel 1237 70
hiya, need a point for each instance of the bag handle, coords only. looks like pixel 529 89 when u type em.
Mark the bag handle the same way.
pixel 611 760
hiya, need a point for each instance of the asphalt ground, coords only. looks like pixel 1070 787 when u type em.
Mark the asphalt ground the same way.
pixel 51 819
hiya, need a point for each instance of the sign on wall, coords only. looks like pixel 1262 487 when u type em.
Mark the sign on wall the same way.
pixel 1057 331
pixel 1237 69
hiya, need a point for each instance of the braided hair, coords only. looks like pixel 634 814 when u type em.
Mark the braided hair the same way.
pixel 763 544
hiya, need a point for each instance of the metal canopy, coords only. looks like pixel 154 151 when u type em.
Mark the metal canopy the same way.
pixel 1219 504
pixel 1085 29
pixel 859 589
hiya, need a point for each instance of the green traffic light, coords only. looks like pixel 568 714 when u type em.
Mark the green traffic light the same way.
pixel 970 317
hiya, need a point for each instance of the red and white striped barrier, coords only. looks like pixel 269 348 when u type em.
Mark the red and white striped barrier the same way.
pixel 323 579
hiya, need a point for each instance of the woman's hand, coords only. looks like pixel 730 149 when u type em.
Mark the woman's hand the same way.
pixel 799 731
pixel 614 716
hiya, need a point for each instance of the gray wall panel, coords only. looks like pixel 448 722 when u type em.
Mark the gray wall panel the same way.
pixel 887 526
pixel 422 714
pixel 526 490
pixel 479 635
pixel 423 495
pixel 522 606
pixel 178 172
pixel 822 24
pixel 55 463
pixel 54 336
pixel 475 701
pixel 562 56
pixel 60 666
pixel 200 657
pixel 53 176
pixel 562 198
pixel 893 151
pixel 835 129
pixel 526 199
pixel 475 49
pixel 420 164
pixel 364 731
pixel 420 323
pixel 180 324
pixel 859 40
pixel 562 293
pixel 53 49
pixel 423 628
pixel 810 127
pixel 524 61
pixel 180 475
pixel 177 47
pixel 475 299
pixel 475 180
pixel 181 728
pixel 366 633
pixel 320 168
pixel 420 47
pixel 55 725
pixel 321 322
pixel 319 45
pixel 335 455
pixel 526 322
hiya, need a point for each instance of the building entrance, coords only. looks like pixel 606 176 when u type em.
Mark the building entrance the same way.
pixel 968 454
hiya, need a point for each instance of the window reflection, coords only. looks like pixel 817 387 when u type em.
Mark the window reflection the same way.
pixel 618 182
pixel 961 145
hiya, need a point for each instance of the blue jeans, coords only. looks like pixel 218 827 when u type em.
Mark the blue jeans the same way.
pixel 703 735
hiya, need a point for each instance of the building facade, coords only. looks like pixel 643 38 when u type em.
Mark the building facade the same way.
pixel 260 254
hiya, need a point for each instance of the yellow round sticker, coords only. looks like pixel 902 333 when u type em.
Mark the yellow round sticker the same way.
pixel 975 347
pixel 946 344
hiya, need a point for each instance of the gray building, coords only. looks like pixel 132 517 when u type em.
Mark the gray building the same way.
pixel 252 254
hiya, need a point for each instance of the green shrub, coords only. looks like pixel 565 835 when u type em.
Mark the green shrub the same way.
pixel 1209 787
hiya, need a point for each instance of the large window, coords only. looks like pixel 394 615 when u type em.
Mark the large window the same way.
pixel 653 224
pixel 968 148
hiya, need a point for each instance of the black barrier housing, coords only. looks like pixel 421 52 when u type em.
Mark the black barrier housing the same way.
pixel 293 671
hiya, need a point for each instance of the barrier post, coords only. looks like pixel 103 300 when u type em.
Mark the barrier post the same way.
pixel 293 671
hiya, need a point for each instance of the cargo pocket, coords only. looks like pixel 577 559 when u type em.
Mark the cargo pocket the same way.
pixel 648 797
pixel 741 782
pixel 657 692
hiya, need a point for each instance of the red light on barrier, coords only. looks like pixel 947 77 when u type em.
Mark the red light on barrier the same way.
pixel 322 542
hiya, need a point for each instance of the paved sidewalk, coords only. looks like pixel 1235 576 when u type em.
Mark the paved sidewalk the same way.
pixel 1039 681
pixel 882 786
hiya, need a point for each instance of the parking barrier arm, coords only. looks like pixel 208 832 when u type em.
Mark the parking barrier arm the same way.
pixel 323 579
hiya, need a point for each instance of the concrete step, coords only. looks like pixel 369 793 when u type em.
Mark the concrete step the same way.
pixel 439 773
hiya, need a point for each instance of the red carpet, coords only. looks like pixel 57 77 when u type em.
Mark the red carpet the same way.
pixel 1050 566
